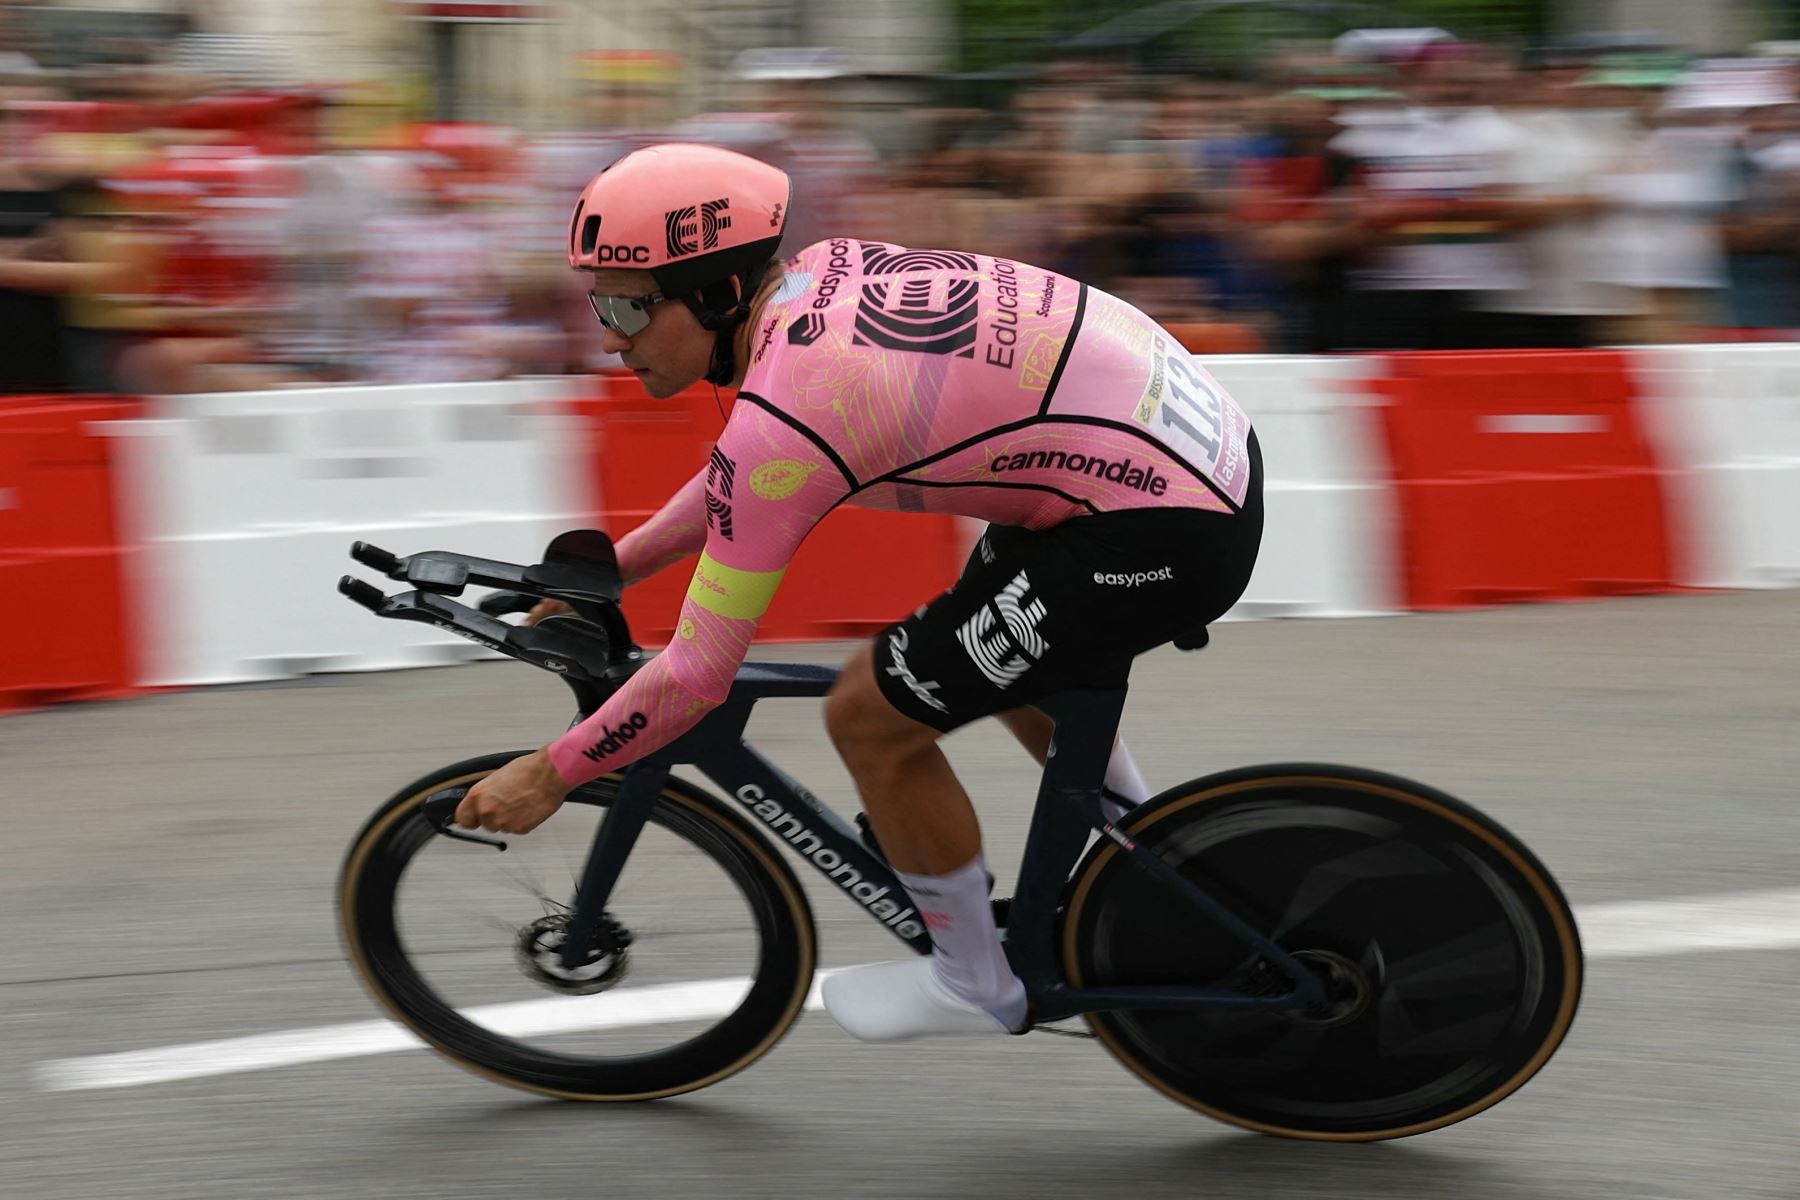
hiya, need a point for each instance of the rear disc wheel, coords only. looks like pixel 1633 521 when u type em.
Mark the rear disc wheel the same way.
pixel 1449 955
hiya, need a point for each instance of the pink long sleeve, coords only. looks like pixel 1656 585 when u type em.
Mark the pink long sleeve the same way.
pixel 761 493
pixel 673 532
pixel 666 698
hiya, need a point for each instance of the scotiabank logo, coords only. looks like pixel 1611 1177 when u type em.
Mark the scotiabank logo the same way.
pixel 1124 471
pixel 631 254
pixel 616 739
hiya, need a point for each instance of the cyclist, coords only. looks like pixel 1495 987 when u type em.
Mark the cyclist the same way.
pixel 1121 483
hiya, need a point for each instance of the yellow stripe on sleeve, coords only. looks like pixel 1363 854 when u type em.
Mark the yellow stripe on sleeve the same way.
pixel 731 592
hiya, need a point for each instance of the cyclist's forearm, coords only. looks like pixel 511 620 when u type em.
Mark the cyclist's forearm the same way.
pixel 672 533
pixel 649 712
pixel 663 700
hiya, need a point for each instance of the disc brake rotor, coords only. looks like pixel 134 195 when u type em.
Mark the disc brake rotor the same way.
pixel 539 953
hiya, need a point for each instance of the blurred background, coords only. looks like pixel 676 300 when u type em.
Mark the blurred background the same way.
pixel 212 214
pixel 244 194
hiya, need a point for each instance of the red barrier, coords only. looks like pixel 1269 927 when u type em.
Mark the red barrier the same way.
pixel 1522 476
pixel 857 572
pixel 63 570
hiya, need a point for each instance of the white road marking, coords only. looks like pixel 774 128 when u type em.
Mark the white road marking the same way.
pixel 527 1018
pixel 1734 921
pixel 1637 929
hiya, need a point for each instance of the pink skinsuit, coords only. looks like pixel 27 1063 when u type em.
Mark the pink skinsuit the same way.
pixel 918 381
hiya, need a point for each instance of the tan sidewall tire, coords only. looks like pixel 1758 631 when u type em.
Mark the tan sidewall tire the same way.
pixel 755 847
pixel 1157 811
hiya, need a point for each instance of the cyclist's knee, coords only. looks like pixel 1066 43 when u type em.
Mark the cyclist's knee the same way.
pixel 859 717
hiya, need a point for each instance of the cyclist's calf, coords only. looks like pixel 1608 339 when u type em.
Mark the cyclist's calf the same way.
pixel 919 809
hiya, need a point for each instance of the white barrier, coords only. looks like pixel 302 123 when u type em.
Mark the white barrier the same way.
pixel 1726 420
pixel 248 503
pixel 1327 540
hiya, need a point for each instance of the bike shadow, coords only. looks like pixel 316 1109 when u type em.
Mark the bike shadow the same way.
pixel 690 1117
pixel 1230 1166
pixel 1014 1160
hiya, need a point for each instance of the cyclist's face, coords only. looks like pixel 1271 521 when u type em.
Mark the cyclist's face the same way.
pixel 670 353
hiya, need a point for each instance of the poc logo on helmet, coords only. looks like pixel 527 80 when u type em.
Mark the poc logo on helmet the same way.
pixel 588 228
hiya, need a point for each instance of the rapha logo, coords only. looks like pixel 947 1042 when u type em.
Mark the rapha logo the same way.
pixel 692 229
pixel 897 643
pixel 807 330
pixel 768 335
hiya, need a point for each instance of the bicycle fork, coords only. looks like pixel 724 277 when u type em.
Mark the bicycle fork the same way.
pixel 638 789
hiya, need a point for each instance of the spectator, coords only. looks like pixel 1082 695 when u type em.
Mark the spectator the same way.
pixel 1430 207
pixel 1566 137
pixel 430 280
pixel 1471 207
pixel 1297 208
pixel 1667 197
pixel 1762 223
pixel 34 267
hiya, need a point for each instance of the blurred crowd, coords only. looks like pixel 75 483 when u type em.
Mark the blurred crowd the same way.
pixel 180 230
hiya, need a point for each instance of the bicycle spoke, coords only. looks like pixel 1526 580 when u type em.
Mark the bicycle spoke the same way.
pixel 701 960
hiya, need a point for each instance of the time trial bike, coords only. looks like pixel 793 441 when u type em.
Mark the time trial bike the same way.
pixel 1301 949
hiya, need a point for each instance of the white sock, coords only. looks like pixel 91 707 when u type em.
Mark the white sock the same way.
pixel 967 953
pixel 1123 783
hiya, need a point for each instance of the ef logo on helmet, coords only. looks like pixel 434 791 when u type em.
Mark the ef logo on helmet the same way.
pixel 695 227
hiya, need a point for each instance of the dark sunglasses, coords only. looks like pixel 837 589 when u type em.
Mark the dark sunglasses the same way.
pixel 625 315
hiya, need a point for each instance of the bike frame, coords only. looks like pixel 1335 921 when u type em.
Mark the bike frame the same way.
pixel 1068 809
pixel 593 659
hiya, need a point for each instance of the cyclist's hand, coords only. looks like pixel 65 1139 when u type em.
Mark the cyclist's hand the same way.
pixel 546 608
pixel 515 799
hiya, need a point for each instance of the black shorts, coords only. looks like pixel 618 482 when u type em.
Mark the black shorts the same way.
pixel 1036 612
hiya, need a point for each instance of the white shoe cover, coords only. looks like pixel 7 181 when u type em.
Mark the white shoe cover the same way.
pixel 890 1002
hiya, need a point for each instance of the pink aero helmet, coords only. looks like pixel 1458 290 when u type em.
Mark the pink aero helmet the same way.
pixel 691 215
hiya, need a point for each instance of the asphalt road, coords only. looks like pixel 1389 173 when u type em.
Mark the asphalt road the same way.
pixel 171 862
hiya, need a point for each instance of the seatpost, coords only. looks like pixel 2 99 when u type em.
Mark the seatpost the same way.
pixel 1068 809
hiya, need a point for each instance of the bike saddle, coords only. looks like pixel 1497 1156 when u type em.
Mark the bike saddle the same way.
pixel 1192 639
